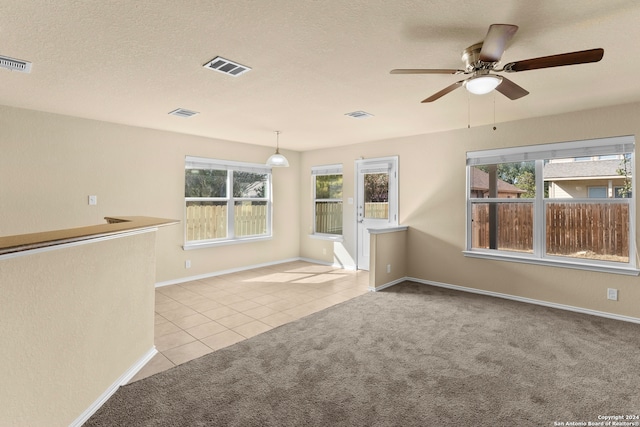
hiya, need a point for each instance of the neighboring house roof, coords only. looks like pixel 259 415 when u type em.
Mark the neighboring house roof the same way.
pixel 582 169
pixel 480 181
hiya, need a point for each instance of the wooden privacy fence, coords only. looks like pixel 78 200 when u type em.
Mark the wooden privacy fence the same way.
pixel 601 228
pixel 515 226
pixel 376 210
pixel 576 229
pixel 206 222
pixel 329 217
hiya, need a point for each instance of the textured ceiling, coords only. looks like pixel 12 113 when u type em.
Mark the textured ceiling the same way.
pixel 312 62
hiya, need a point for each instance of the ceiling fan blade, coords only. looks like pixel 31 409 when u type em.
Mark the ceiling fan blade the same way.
pixel 425 71
pixel 444 91
pixel 572 58
pixel 496 41
pixel 510 89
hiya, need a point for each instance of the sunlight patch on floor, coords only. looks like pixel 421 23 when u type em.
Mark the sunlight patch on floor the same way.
pixel 321 278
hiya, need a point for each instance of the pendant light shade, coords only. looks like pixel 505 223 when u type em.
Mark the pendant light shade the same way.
pixel 277 160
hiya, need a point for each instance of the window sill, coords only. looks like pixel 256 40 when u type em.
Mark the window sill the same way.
pixel 626 270
pixel 211 244
pixel 333 238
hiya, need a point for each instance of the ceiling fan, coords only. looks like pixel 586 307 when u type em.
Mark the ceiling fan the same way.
pixel 481 60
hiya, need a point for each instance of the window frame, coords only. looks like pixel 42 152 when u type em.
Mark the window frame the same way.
pixel 540 153
pixel 231 167
pixel 324 170
pixel 591 188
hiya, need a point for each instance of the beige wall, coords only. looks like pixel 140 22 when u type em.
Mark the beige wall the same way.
pixel 54 162
pixel 388 258
pixel 432 204
pixel 51 163
pixel 73 320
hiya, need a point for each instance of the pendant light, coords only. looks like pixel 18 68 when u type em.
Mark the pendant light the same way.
pixel 277 160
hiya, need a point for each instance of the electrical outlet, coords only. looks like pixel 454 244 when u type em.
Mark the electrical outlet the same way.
pixel 187 264
pixel 388 268
pixel 612 294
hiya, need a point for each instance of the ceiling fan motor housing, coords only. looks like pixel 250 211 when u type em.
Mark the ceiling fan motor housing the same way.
pixel 471 59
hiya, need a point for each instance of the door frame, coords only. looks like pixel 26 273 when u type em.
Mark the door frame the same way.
pixel 362 165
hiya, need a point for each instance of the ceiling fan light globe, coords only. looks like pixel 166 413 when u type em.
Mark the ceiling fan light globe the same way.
pixel 480 85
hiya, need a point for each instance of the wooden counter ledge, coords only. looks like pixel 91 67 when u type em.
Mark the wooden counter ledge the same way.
pixel 114 226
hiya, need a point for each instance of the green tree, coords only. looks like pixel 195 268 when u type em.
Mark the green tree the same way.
pixel 205 183
pixel 527 181
pixel 249 184
pixel 520 174
pixel 513 172
pixel 625 170
pixel 376 187
pixel 329 186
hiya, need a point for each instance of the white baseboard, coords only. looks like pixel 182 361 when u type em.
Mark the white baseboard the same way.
pixel 124 379
pixel 514 298
pixel 387 285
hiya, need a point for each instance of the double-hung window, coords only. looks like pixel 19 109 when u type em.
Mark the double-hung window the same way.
pixel 226 201
pixel 565 204
pixel 327 200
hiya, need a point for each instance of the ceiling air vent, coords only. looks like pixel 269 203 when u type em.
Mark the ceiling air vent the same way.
pixel 359 114
pixel 181 112
pixel 226 67
pixel 15 64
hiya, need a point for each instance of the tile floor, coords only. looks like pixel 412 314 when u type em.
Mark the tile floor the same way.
pixel 198 317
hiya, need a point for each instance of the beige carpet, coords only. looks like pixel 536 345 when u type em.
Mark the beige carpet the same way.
pixel 413 355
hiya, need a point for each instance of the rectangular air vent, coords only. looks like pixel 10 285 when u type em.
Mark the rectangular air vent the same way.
pixel 226 67
pixel 181 112
pixel 359 114
pixel 15 64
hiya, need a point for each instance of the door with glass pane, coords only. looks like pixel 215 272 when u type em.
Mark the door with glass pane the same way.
pixel 377 197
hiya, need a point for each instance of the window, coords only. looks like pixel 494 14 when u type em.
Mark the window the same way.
pixel 327 200
pixel 376 195
pixel 597 192
pixel 557 204
pixel 226 201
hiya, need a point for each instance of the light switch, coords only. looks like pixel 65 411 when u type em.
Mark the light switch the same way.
pixel 93 200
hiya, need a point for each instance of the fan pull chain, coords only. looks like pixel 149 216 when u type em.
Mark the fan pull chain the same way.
pixel 494 110
pixel 468 110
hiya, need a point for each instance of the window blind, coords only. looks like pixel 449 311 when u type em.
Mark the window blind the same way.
pixel 326 170
pixel 587 148
pixel 205 163
pixel 376 168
